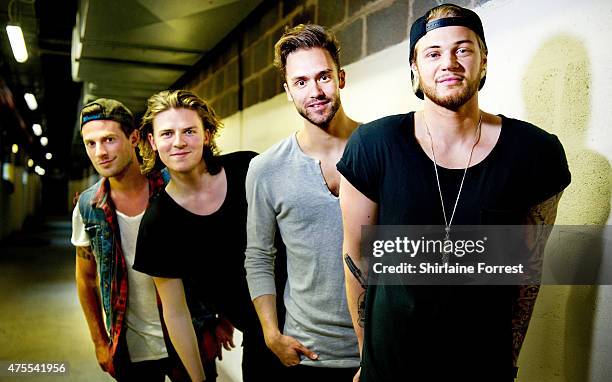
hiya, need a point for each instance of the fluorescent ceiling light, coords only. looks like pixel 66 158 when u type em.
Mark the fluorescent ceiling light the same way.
pixel 37 129
pixel 44 141
pixel 31 101
pixel 15 36
pixel 48 156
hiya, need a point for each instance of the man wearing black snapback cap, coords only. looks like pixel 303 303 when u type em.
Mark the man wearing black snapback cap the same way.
pixel 130 343
pixel 449 164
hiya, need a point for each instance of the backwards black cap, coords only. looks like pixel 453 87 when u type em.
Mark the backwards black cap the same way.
pixel 107 109
pixel 420 27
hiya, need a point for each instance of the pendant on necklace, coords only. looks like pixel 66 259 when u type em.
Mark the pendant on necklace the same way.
pixel 447 246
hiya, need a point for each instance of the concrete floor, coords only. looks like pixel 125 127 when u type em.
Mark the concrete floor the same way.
pixel 40 316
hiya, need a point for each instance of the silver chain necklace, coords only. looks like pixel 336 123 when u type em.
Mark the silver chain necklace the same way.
pixel 447 223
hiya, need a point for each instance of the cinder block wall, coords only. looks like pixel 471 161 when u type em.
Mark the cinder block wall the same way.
pixel 238 73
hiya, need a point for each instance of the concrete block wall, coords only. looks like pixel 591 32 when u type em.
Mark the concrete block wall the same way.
pixel 239 73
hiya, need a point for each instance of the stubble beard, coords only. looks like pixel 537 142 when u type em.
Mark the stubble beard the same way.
pixel 321 123
pixel 453 101
pixel 112 172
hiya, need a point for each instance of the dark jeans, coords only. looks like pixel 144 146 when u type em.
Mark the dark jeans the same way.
pixel 259 363
pixel 302 373
pixel 210 370
pixel 154 371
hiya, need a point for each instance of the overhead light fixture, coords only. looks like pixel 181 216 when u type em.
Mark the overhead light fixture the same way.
pixel 39 170
pixel 15 36
pixel 30 162
pixel 15 148
pixel 37 128
pixel 31 101
pixel 44 141
pixel 48 156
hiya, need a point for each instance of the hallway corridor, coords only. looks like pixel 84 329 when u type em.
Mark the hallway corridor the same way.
pixel 40 316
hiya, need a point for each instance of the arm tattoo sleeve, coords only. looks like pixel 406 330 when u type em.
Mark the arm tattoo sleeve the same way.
pixel 362 281
pixel 539 222
pixel 85 253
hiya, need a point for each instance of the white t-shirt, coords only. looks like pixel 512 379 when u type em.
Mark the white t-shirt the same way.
pixel 144 336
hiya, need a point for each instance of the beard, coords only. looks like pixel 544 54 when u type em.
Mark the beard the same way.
pixel 453 101
pixel 320 120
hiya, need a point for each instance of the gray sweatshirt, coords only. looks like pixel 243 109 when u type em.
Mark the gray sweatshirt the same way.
pixel 285 186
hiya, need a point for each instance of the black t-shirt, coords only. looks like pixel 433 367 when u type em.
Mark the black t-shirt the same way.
pixel 206 251
pixel 433 330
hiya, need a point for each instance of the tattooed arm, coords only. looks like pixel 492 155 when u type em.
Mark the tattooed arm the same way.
pixel 539 220
pixel 357 210
pixel 89 296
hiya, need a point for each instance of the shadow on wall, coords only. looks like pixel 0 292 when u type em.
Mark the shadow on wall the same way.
pixel 556 93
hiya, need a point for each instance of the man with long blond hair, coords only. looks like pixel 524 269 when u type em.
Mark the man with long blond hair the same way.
pixel 192 238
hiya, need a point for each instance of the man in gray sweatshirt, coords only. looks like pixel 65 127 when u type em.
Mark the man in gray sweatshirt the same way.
pixel 293 187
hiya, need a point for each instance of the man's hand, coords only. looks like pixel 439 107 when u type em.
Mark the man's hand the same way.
pixel 211 342
pixel 357 376
pixel 89 295
pixel 105 359
pixel 225 336
pixel 288 350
